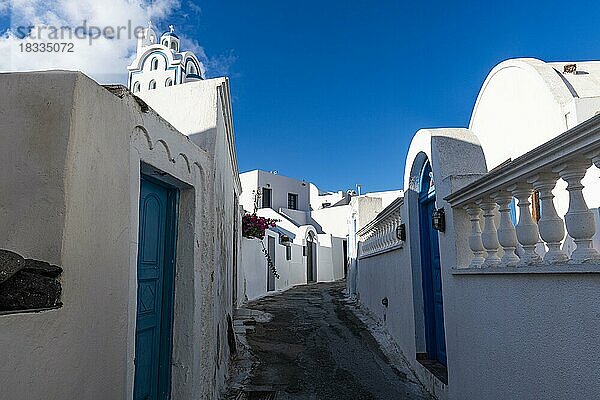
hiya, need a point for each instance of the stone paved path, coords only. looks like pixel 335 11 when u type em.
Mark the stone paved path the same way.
pixel 315 348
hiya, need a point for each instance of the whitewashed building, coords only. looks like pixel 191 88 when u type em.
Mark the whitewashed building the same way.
pixel 363 210
pixel 487 302
pixel 302 248
pixel 139 208
pixel 160 62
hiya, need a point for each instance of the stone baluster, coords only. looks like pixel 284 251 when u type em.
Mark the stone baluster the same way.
pixel 507 235
pixel 475 242
pixel 390 230
pixel 579 218
pixel 396 227
pixel 373 240
pixel 374 245
pixel 489 236
pixel 527 229
pixel 389 240
pixel 550 225
pixel 376 239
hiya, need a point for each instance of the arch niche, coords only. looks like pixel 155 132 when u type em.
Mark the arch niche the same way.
pixel 311 257
pixel 420 200
pixel 431 273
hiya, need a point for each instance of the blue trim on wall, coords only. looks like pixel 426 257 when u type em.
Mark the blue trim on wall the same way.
pixel 196 64
pixel 160 52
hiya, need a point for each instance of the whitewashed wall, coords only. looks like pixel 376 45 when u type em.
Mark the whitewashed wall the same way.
pixel 333 220
pixel 291 272
pixel 249 182
pixel 71 169
pixel 526 102
pixel 280 187
pixel 254 266
pixel 515 335
pixel 202 111
pixel 363 210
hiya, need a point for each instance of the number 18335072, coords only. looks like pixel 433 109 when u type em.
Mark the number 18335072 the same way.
pixel 47 47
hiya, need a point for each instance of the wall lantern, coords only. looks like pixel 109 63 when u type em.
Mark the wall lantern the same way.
pixel 438 220
pixel 401 232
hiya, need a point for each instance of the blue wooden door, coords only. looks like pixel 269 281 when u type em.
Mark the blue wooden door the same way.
pixel 431 272
pixel 155 275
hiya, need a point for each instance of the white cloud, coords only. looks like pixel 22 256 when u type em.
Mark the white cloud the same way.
pixel 105 59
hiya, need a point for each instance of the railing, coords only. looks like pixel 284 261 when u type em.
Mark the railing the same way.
pixel 567 156
pixel 382 234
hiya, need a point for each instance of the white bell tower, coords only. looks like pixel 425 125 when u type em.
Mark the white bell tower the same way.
pixel 160 63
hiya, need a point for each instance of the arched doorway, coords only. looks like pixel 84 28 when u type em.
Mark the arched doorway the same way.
pixel 311 258
pixel 433 303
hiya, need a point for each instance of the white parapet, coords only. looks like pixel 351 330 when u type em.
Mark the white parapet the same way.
pixel 531 179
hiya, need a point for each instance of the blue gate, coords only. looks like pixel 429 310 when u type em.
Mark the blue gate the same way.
pixel 431 271
pixel 155 291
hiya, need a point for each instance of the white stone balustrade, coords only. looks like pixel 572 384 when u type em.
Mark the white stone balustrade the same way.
pixel 551 226
pixel 380 236
pixel 527 229
pixel 507 235
pixel 579 218
pixel 475 242
pixel 487 203
pixel 489 236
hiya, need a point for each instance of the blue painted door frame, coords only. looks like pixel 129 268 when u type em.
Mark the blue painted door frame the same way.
pixel 433 300
pixel 156 289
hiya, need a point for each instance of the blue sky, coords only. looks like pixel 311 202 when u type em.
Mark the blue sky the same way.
pixel 333 91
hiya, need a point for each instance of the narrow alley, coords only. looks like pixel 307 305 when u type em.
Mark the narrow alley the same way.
pixel 314 347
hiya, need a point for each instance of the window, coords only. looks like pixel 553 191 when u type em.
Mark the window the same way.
pixel 174 46
pixel 165 43
pixel 136 87
pixel 266 198
pixel 152 84
pixel 292 201
pixel 154 64
pixel 192 69
pixel 169 82
pixel 288 252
